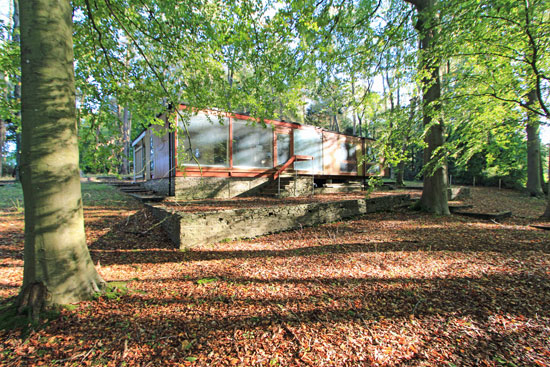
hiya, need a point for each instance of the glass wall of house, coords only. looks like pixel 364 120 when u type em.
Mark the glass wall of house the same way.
pixel 283 148
pixel 207 142
pixel 252 145
pixel 347 156
pixel 309 142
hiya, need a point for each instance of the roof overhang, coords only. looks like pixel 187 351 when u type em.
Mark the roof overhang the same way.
pixel 139 138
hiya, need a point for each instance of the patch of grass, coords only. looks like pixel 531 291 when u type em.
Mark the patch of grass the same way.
pixel 11 197
pixel 113 291
pixel 93 194
pixel 98 194
pixel 10 319
pixel 204 281
pixel 70 307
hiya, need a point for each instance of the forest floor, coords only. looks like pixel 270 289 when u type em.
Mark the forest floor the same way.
pixel 386 289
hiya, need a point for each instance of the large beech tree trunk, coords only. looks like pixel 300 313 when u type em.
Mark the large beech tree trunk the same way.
pixel 58 268
pixel 434 193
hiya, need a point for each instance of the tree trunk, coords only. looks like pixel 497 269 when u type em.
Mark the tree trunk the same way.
pixel 126 128
pixel 58 268
pixel 354 107
pixel 534 184
pixel 543 184
pixel 17 91
pixel 3 126
pixel 400 175
pixel 2 138
pixel 434 192
pixel 546 214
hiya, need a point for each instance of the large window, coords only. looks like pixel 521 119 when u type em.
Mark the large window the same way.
pixel 347 158
pixel 252 145
pixel 209 136
pixel 309 142
pixel 283 148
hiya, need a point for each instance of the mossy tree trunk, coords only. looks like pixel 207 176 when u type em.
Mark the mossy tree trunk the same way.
pixel 434 192
pixel 58 268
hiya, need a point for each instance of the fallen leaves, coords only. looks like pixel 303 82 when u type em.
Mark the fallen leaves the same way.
pixel 386 289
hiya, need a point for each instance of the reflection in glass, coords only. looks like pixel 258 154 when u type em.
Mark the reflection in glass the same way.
pixel 252 145
pixel 209 136
pixel 283 148
pixel 348 161
pixel 309 142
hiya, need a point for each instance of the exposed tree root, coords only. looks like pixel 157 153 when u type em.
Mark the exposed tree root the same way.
pixel 35 298
pixel 32 299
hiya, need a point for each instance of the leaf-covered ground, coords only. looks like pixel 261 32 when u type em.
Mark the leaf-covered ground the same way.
pixel 387 289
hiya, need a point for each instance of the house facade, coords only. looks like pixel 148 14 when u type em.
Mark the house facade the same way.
pixel 215 154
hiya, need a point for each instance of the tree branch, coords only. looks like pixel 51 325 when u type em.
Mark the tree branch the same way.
pixel 99 35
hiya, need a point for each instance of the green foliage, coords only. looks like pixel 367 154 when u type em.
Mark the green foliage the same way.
pixel 308 61
pixel 373 183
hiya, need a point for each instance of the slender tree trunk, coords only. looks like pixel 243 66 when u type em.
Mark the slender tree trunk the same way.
pixel 390 89
pixel 534 184
pixel 541 165
pixel 400 179
pixel 354 111
pixel 58 268
pixel 17 91
pixel 3 126
pixel 434 193
pixel 2 139
pixel 126 128
pixel 546 214
pixel 400 174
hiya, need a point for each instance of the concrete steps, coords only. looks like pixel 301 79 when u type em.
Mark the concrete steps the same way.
pixel 138 191
pixel 272 188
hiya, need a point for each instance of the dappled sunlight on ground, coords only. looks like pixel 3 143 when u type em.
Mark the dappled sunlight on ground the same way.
pixel 385 289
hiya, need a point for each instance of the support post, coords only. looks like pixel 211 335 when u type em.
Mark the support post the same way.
pixel 295 180
pixel 134 163
pixel 312 178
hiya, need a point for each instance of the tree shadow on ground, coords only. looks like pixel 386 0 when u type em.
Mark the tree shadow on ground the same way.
pixel 458 315
pixel 210 309
pixel 128 242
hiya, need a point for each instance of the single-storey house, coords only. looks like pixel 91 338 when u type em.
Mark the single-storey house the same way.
pixel 218 154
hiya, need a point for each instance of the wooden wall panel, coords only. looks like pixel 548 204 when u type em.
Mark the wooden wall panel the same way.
pixel 331 164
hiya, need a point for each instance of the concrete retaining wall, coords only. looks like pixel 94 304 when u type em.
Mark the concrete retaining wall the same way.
pixel 459 193
pixel 159 185
pixel 188 230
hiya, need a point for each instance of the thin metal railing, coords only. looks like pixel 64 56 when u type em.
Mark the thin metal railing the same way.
pixel 294 158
